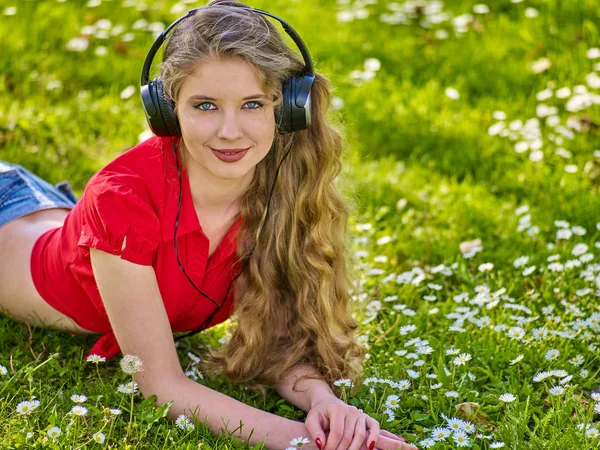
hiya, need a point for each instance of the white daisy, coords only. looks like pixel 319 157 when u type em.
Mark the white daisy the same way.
pixel 99 437
pixel 78 410
pixel 462 359
pixel 468 427
pixel 403 385
pixel 557 390
pixel 455 423
pixel 486 267
pixel 440 433
pixel 461 439
pixel 54 432
pixel 393 401
pixel 577 360
pixel 128 388
pixel 299 441
pixel 516 360
pixel 412 373
pixel 520 261
pixel 346 382
pixel 78 398
pixel 182 421
pixel 95 358
pixel 507 398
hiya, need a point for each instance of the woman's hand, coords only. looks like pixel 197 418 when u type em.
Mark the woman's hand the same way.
pixel 338 426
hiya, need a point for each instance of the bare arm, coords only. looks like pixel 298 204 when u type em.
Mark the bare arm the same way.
pixel 222 412
pixel 138 318
pixel 313 391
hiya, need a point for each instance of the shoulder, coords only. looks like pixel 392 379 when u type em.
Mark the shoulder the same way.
pixel 141 170
pixel 124 200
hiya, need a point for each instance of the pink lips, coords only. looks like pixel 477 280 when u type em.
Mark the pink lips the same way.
pixel 231 150
pixel 230 158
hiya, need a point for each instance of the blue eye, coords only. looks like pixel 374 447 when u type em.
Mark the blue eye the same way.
pixel 260 105
pixel 199 105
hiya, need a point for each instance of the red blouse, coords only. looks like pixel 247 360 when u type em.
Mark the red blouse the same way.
pixel 136 196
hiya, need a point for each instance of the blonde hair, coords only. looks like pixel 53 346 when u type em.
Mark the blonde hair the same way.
pixel 293 301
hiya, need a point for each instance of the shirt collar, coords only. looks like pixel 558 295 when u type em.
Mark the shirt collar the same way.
pixel 188 220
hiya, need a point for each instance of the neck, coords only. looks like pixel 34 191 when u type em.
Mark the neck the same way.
pixel 216 195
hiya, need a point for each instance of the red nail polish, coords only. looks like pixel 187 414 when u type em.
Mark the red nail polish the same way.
pixel 319 443
pixel 371 445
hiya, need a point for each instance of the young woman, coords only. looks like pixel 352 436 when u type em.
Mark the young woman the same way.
pixel 160 233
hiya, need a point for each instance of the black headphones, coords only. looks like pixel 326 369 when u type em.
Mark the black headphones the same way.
pixel 291 116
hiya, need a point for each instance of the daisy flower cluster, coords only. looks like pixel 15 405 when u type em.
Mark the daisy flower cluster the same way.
pixel 545 334
pixel 460 432
pixel 78 410
pixel 547 135
pixel 193 373
pixel 429 15
pixel 27 407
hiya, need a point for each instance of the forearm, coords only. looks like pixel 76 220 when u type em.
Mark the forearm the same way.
pixel 224 414
pixel 310 390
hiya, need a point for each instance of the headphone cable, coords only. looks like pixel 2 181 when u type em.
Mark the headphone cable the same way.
pixel 207 322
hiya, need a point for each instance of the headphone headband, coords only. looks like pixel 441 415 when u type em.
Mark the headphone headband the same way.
pixel 288 29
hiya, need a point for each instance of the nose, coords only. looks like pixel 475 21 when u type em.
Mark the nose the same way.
pixel 229 128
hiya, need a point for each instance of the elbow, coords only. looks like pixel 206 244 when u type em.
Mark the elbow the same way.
pixel 162 386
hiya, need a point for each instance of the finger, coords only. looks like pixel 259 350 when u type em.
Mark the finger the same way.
pixel 386 443
pixel 350 419
pixel 373 427
pixel 360 431
pixel 391 435
pixel 336 431
pixel 316 427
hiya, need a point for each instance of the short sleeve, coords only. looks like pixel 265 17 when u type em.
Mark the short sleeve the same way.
pixel 117 207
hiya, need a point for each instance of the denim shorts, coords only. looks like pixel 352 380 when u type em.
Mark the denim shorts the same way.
pixel 22 193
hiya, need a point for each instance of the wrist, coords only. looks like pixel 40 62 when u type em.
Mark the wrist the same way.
pixel 324 397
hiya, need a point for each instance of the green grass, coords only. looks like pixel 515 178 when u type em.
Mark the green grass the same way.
pixel 427 176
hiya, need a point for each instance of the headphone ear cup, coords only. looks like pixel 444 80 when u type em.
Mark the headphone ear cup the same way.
pixel 167 110
pixel 296 90
pixel 283 113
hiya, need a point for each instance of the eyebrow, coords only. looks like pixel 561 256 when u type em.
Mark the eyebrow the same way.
pixel 205 97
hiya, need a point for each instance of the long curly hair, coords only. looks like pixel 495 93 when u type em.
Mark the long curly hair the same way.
pixel 292 304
